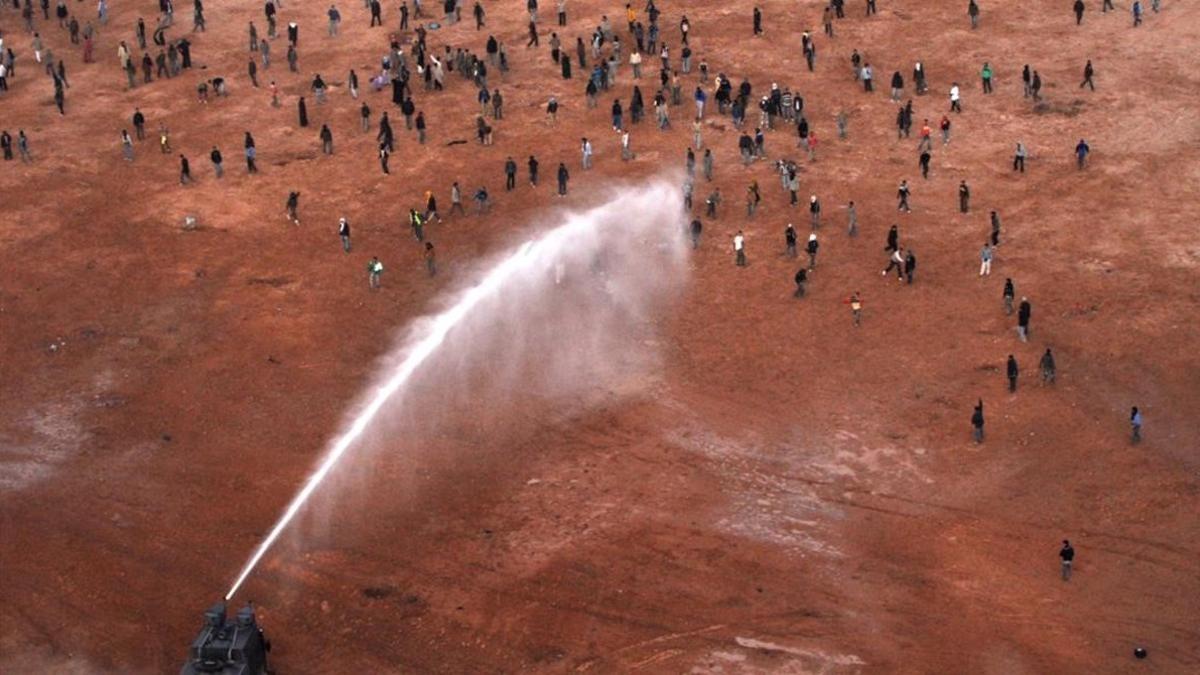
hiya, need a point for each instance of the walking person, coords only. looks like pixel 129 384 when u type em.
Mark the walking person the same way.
pixel 1088 74
pixel 801 279
pixel 811 249
pixel 1135 425
pixel 1013 372
pixel 185 171
pixel 696 228
pixel 292 207
pixel 995 217
pixel 964 197
pixel 344 233
pixel 789 241
pixel 1008 297
pixel 739 249
pixel 910 266
pixel 563 177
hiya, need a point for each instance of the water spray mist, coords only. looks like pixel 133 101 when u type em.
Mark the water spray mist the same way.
pixel 652 214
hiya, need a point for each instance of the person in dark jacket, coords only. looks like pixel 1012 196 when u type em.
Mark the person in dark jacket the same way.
pixel 910 266
pixel 1024 310
pixel 302 108
pixel 1048 368
pixel 801 279
pixel 977 421
pixel 1013 372
pixel 1067 555
pixel 563 177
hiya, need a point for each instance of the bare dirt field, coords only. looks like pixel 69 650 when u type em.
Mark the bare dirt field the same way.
pixel 771 489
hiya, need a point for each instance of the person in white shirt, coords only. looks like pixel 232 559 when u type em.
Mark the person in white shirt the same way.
pixel 586 149
pixel 954 99
pixel 739 248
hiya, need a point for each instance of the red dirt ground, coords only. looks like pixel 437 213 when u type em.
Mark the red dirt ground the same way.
pixel 785 494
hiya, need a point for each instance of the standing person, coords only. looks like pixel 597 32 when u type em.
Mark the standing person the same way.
pixel 1081 152
pixel 910 266
pixel 985 260
pixel 1013 372
pixel 758 30
pixel 252 68
pixel 374 272
pixel 293 207
pixel 510 174
pixel 1008 296
pixel 456 199
pixel 1079 7
pixel 1027 80
pixel 856 306
pixel 995 229
pixel 1024 310
pixel 126 146
pixel 1048 367
pixel 585 149
pixel 852 220
pixel 1019 158
pixel 739 249
pixel 1137 13
pixel 789 240
pixel 23 147
pixel 893 238
pixel 139 124
pixel 1088 73
pixel 964 197
pixel 955 98
pixel 6 144
pixel 814 211
pixel 902 194
pixel 420 124
pixel 944 125
pixel 986 76
pixel 344 233
pixel 1135 426
pixel 1066 555
pixel 811 248
pixel 251 153
pixel 533 171
pixel 302 112
pixel 977 421
pixel 326 136
pixel 430 259
pixel 923 163
pixel 696 228
pixel 563 177
pixel 973 13
pixel 216 158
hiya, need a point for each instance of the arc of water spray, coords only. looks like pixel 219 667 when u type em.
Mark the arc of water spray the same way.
pixel 440 328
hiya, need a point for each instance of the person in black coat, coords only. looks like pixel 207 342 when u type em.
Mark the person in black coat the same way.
pixel 977 421
pixel 1013 372
pixel 303 110
pixel 565 60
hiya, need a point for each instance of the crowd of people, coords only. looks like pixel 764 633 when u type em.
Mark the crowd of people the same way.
pixel 655 56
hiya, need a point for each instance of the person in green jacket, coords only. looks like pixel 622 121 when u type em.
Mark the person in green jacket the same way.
pixel 986 75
